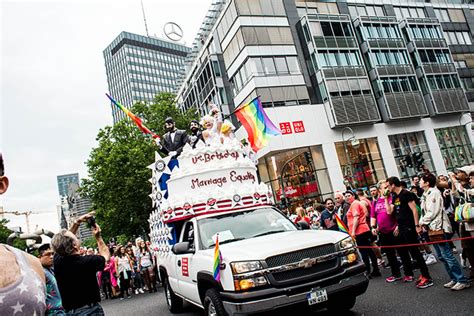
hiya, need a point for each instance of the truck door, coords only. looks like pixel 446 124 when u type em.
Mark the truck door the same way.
pixel 186 266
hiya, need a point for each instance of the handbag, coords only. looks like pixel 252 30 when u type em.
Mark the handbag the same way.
pixel 437 235
pixel 464 211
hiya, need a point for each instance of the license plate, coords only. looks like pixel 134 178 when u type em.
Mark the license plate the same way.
pixel 317 296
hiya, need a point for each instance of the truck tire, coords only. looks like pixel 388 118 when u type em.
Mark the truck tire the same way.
pixel 341 306
pixel 213 303
pixel 174 302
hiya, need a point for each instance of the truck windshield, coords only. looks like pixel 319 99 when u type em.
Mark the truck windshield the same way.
pixel 242 225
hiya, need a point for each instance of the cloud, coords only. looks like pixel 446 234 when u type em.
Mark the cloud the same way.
pixel 53 83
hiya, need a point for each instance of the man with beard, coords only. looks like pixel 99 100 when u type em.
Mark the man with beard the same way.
pixel 196 134
pixel 173 141
pixel 328 218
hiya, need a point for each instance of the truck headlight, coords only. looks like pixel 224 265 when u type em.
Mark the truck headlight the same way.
pixel 346 243
pixel 245 284
pixel 245 266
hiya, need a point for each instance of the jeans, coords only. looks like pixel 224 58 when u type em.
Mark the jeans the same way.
pixel 91 309
pixel 390 240
pixel 450 263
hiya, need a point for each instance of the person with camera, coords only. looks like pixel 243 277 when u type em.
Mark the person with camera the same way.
pixel 436 221
pixel 76 274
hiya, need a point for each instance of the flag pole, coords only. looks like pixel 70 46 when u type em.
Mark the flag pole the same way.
pixel 240 107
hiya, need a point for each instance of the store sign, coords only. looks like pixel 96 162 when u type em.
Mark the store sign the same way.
pixel 298 126
pixel 285 128
pixel 298 191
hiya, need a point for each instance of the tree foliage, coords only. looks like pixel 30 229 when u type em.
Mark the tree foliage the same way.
pixel 118 175
pixel 5 232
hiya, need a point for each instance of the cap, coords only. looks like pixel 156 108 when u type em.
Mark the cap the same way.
pixel 466 169
pixel 169 120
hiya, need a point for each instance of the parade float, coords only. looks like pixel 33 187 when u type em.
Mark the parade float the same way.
pixel 221 244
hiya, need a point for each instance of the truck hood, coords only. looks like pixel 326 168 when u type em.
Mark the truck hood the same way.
pixel 259 248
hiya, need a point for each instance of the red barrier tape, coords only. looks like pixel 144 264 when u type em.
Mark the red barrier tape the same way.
pixel 416 245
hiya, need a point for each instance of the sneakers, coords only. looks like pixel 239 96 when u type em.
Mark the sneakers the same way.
pixel 380 262
pixel 450 284
pixel 420 278
pixel 430 259
pixel 408 278
pixel 141 291
pixel 392 279
pixel 136 292
pixel 460 286
pixel 424 283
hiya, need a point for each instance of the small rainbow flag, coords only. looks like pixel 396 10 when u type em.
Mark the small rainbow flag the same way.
pixel 217 260
pixel 340 224
pixel 256 123
pixel 134 118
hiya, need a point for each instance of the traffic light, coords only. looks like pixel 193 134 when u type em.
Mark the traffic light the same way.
pixel 418 160
pixel 307 156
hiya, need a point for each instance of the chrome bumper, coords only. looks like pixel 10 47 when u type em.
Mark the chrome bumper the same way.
pixel 281 299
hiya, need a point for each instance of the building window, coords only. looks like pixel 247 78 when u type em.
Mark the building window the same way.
pixel 260 7
pixel 361 165
pixel 409 12
pixel 458 38
pixel 411 154
pixel 305 178
pixel 366 10
pixel 468 83
pixel 442 15
pixel 455 146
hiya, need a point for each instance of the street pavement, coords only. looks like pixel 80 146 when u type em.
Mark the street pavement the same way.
pixel 381 298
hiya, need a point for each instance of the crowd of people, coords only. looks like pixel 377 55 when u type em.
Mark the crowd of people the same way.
pixel 402 222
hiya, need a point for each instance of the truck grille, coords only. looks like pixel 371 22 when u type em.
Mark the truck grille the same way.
pixel 302 274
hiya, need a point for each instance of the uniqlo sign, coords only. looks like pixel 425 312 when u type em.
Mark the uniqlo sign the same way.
pixel 285 128
pixel 298 127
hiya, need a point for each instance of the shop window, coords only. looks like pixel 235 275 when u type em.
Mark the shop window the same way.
pixel 302 172
pixel 411 154
pixel 361 165
pixel 455 146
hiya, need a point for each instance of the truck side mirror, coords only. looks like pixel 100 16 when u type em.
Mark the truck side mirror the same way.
pixel 303 225
pixel 182 248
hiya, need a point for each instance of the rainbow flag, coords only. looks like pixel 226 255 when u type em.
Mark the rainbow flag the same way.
pixel 256 123
pixel 217 261
pixel 340 224
pixel 133 117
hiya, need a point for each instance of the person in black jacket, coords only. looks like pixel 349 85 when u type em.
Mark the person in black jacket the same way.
pixel 173 141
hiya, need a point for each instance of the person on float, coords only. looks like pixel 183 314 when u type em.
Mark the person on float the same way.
pixel 227 132
pixel 212 124
pixel 196 134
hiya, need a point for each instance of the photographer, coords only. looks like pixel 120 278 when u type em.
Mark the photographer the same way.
pixel 76 274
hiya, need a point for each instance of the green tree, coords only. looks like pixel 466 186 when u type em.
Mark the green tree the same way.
pixel 118 175
pixel 5 232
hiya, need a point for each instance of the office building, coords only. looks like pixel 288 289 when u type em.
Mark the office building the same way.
pixel 65 183
pixel 140 67
pixel 360 90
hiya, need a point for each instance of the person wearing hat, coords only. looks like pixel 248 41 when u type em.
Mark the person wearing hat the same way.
pixel 196 134
pixel 227 132
pixel 173 141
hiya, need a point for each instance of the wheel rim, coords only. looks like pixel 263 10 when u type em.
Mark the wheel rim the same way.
pixel 168 294
pixel 212 310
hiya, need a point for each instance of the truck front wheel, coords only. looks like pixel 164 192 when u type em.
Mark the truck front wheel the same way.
pixel 174 302
pixel 213 303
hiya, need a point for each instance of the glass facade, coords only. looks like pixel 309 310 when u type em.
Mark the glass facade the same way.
pixel 361 165
pixel 455 146
pixel 140 67
pixel 411 153
pixel 302 171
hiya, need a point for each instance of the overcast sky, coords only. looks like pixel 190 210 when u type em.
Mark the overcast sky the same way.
pixel 53 83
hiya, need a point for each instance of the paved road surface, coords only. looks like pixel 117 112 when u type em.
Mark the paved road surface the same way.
pixel 380 299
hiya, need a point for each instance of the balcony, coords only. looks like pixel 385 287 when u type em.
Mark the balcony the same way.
pixel 435 68
pixel 429 43
pixel 347 71
pixel 349 110
pixel 334 42
pixel 386 43
pixel 395 70
pixel 450 101
pixel 405 105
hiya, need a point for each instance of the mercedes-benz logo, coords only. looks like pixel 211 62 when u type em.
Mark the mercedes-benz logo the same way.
pixel 173 31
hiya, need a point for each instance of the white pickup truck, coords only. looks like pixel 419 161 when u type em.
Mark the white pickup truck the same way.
pixel 267 263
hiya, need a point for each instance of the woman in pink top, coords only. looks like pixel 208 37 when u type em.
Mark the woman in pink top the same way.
pixel 358 228
pixel 113 279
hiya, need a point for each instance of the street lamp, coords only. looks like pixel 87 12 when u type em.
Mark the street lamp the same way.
pixel 353 141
